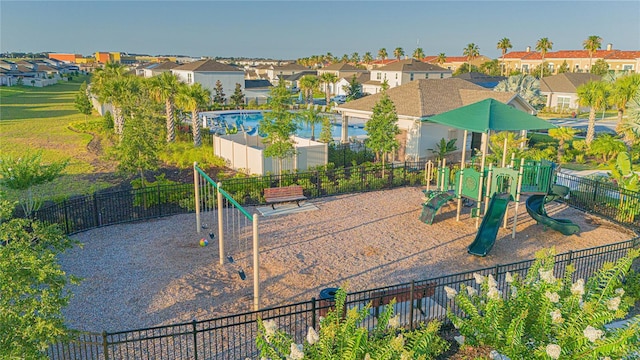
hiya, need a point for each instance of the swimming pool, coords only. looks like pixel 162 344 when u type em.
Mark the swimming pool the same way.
pixel 218 121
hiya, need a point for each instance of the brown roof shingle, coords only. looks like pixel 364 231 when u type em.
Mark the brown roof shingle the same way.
pixel 207 65
pixel 428 97
pixel 567 82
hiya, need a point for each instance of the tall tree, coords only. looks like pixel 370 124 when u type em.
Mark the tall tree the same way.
pixel 600 67
pixel 344 58
pixel 382 128
pixel 328 78
pixel 311 117
pixel 398 53
pixel 504 45
pixel 491 68
pixel 219 96
pixel 563 68
pixel 418 53
pixel 471 52
pixel 355 58
pixel 33 285
pixel 109 86
pixel 329 58
pixel 82 102
pixel 592 44
pixel 526 85
pixel 165 87
pixel 441 59
pixel 593 94
pixel 278 125
pixel 367 58
pixel 382 54
pixel 308 84
pixel 237 98
pixel 625 89
pixel 543 45
pixel 193 98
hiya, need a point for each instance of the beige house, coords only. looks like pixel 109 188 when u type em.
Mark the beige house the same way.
pixel 275 73
pixel 341 71
pixel 578 61
pixel 454 62
pixel 402 72
pixel 418 100
pixel 561 92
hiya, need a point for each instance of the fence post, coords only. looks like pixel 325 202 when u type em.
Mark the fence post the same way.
pixel 159 202
pixel 96 217
pixel 404 174
pixel 195 340
pixel 595 191
pixel 105 346
pixel 496 271
pixel 318 184
pixel 66 216
pixel 313 313
pixel 390 176
pixel 411 293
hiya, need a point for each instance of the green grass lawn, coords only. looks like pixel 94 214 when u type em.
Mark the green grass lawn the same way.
pixel 34 119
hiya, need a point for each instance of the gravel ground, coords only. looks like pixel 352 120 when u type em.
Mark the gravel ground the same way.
pixel 155 273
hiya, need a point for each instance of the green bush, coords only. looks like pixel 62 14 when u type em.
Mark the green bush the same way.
pixel 183 154
pixel 343 337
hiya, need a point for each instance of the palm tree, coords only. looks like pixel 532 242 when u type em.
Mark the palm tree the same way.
pixel 418 54
pixel 107 85
pixel 328 78
pixel 382 54
pixel 308 84
pixel 504 44
pixel 311 117
pixel 441 59
pixel 355 58
pixel 164 88
pixel 329 58
pixel 562 134
pixel 193 98
pixel 367 58
pixel 593 94
pixel 471 52
pixel 398 53
pixel 526 86
pixel 593 43
pixel 543 45
pixel 344 58
pixel 625 89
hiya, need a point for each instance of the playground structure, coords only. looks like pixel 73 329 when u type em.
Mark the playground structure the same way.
pixel 494 187
pixel 231 221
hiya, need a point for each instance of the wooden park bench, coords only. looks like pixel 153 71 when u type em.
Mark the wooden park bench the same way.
pixel 284 194
pixel 402 294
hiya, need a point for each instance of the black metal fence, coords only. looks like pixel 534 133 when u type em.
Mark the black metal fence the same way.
pixel 233 337
pixel 107 208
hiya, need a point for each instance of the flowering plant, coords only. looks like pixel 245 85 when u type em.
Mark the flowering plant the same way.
pixel 542 317
pixel 343 335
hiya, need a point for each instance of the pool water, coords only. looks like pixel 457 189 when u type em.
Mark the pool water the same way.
pixel 218 120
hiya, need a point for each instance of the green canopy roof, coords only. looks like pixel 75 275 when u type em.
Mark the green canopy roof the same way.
pixel 489 114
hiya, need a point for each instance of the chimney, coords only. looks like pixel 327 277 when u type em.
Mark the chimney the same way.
pixel 609 46
pixel 528 49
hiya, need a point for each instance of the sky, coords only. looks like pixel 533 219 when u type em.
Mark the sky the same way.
pixel 295 29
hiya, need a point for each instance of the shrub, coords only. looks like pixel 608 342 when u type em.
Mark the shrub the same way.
pixel 541 317
pixel 344 337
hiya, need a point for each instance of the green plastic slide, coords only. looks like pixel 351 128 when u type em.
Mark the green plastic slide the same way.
pixel 535 208
pixel 431 206
pixel 490 225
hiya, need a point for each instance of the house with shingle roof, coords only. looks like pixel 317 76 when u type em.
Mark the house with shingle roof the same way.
pixel 454 62
pixel 152 70
pixel 274 73
pixel 420 99
pixel 344 82
pixel 401 72
pixel 208 72
pixel 344 72
pixel 561 89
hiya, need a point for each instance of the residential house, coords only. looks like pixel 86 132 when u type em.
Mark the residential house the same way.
pixel 561 92
pixel 275 72
pixel 401 72
pixel 577 60
pixel 67 58
pixel 293 81
pixel 152 70
pixel 208 72
pixel 454 62
pixel 341 71
pixel 257 90
pixel 344 82
pixel 420 99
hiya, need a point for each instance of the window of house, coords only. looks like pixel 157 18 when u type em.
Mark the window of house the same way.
pixel 627 67
pixel 396 75
pixel 564 102
pixel 411 77
pixel 379 76
pixel 189 79
pixel 453 134
pixel 441 75
pixel 525 68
